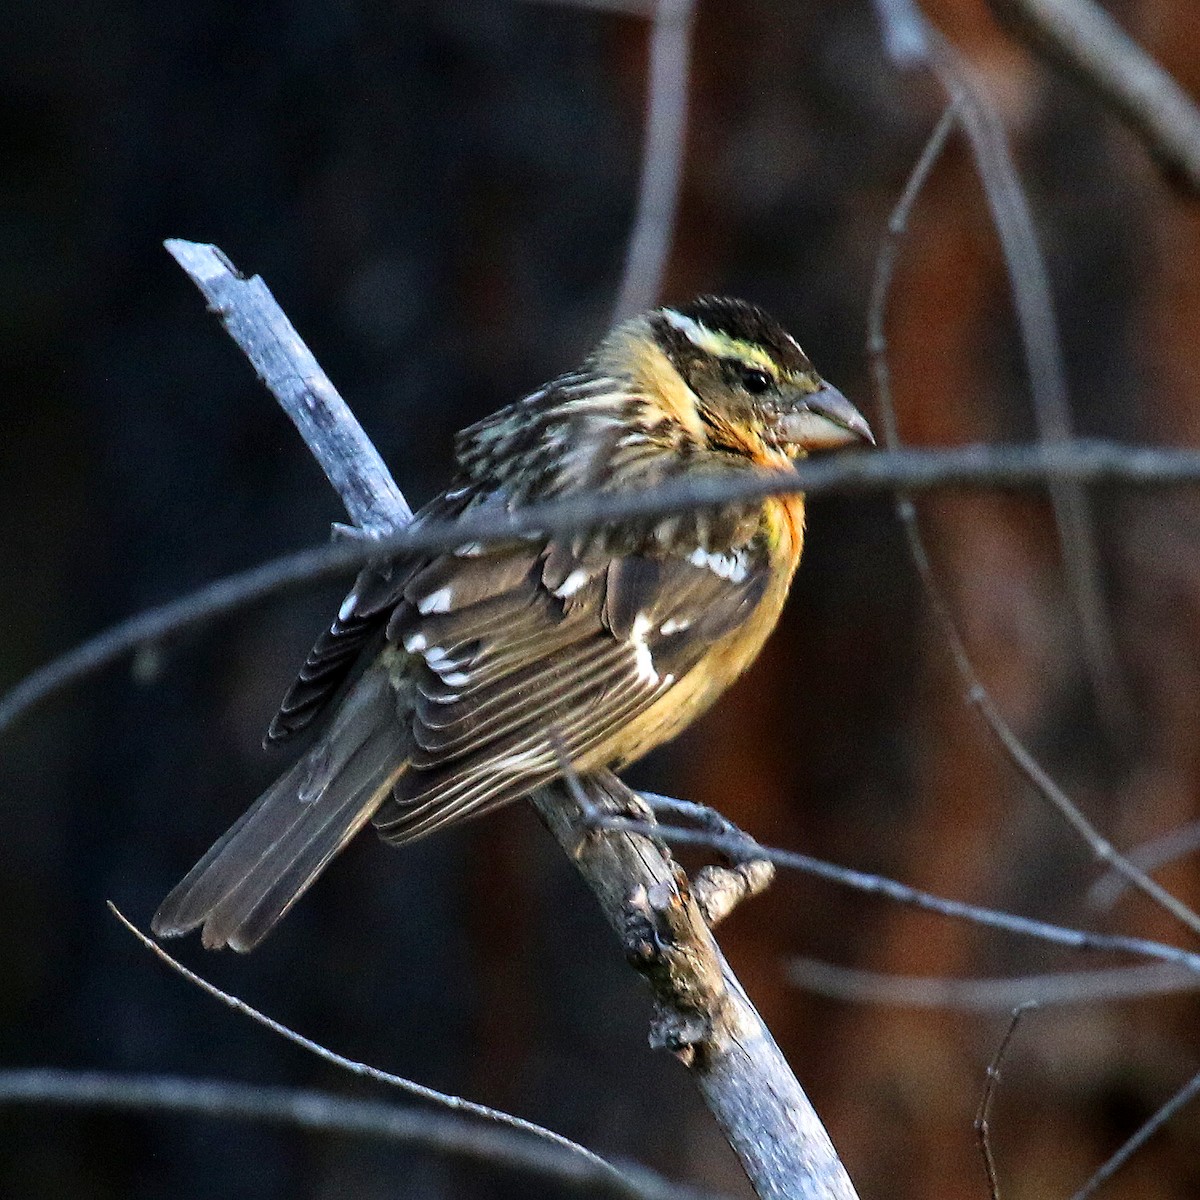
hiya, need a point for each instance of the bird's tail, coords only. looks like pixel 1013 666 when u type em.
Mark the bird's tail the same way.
pixel 265 863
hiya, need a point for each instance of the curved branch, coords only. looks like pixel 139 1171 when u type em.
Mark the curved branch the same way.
pixel 665 141
pixel 325 1113
pixel 1102 849
pixel 456 1104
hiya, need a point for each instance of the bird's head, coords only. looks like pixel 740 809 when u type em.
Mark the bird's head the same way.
pixel 738 381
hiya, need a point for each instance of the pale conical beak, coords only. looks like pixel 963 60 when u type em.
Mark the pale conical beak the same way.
pixel 825 420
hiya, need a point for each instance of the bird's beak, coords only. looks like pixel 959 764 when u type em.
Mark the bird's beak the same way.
pixel 825 420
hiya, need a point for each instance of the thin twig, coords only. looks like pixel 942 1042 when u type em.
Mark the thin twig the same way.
pixel 326 1113
pixel 664 143
pixel 741 846
pixel 365 1070
pixel 1149 856
pixel 1029 282
pixel 988 995
pixel 1180 1100
pixel 984 1115
pixel 1102 850
pixel 985 467
pixel 1081 37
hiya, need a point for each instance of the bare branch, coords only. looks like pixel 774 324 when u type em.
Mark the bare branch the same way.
pixel 326 1113
pixel 455 1104
pixel 911 40
pixel 906 470
pixel 703 1015
pixel 1180 1100
pixel 904 32
pixel 988 995
pixel 743 847
pixel 1029 282
pixel 1101 848
pixel 664 143
pixel 1149 856
pixel 1081 37
pixel 286 365
pixel 984 1116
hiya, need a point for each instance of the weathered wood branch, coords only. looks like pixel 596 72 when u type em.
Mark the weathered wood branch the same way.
pixel 702 1014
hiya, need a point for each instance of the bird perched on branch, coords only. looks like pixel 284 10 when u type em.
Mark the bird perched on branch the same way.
pixel 462 680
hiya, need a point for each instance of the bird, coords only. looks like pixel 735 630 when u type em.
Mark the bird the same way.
pixel 450 684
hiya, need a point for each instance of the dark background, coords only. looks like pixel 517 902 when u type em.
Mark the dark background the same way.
pixel 439 195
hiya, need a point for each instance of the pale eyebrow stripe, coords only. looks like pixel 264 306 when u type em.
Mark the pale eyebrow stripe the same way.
pixel 721 345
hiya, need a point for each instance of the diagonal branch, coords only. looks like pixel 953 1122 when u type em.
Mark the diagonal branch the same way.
pixel 1102 849
pixel 589 1166
pixel 913 41
pixel 703 1014
pixel 1081 37
pixel 282 361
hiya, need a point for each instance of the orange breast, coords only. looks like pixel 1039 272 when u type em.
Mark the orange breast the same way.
pixel 783 517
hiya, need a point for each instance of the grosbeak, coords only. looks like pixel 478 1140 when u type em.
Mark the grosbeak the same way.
pixel 463 680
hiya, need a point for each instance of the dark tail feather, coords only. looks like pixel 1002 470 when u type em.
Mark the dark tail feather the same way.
pixel 262 866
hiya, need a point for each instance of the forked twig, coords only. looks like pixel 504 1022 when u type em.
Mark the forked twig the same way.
pixel 915 41
pixel 983 1116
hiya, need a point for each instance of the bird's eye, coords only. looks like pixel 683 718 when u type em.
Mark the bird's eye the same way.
pixel 755 381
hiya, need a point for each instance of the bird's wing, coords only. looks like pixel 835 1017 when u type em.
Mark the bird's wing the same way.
pixel 362 617
pixel 514 652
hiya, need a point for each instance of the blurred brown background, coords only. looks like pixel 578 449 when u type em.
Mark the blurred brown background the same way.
pixel 439 196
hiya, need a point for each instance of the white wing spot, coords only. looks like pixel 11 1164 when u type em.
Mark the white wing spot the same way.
pixel 347 609
pixel 645 663
pixel 731 566
pixel 469 550
pixel 573 582
pixel 520 759
pixel 436 602
pixel 675 625
pixel 414 642
pixel 454 678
